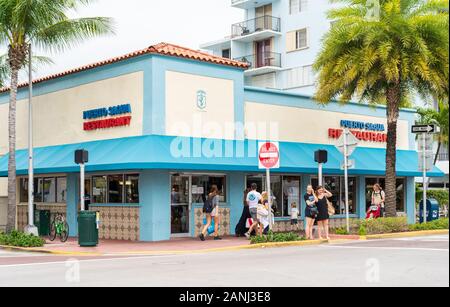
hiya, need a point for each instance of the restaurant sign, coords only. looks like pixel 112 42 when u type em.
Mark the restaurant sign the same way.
pixel 104 118
pixel 366 132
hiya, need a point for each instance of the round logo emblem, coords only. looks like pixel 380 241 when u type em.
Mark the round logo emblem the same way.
pixel 201 100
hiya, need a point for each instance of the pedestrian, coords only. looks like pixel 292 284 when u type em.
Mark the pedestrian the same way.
pixel 211 209
pixel 323 216
pixel 241 227
pixel 263 214
pixel 253 199
pixel 311 211
pixel 379 198
pixel 294 215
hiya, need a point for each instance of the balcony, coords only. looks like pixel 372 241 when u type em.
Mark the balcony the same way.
pixel 262 63
pixel 249 4
pixel 443 157
pixel 259 28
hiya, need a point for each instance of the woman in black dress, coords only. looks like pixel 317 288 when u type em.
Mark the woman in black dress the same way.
pixel 323 218
pixel 310 212
pixel 241 227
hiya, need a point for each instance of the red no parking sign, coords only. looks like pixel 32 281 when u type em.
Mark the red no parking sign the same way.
pixel 269 155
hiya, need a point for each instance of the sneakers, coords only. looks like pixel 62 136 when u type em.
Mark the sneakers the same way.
pixel 217 239
pixel 247 235
pixel 202 237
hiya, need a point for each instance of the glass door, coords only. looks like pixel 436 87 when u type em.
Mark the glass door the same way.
pixel 181 201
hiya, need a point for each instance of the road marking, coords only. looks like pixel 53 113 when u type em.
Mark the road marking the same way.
pixel 387 248
pixel 81 260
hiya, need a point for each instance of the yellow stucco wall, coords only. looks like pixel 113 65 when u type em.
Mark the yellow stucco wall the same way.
pixel 58 116
pixel 311 126
pixel 184 118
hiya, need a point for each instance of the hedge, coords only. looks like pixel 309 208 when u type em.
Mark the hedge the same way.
pixel 20 239
pixel 277 237
pixel 442 196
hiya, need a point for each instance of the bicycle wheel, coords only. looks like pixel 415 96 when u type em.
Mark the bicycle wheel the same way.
pixel 52 236
pixel 65 233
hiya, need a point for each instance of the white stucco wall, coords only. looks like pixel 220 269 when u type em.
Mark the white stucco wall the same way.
pixel 58 116
pixel 184 118
pixel 311 126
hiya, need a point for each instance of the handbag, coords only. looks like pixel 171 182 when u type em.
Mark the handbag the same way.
pixel 331 209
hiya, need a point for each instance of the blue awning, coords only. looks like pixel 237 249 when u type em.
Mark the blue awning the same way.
pixel 164 152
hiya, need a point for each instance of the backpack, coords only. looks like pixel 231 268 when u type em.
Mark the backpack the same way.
pixel 208 206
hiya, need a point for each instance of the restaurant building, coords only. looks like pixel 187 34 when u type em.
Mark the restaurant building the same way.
pixel 164 124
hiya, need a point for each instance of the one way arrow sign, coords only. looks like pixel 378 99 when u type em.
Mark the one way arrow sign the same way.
pixel 425 129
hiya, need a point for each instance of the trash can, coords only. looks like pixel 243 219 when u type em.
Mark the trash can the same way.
pixel 432 210
pixel 88 228
pixel 42 221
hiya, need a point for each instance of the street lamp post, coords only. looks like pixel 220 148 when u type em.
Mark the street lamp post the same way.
pixel 30 228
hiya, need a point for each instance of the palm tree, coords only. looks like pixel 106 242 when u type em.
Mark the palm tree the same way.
pixel 384 53
pixel 438 117
pixel 45 24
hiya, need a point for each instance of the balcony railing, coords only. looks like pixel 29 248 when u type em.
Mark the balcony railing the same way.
pixel 443 157
pixel 256 25
pixel 264 59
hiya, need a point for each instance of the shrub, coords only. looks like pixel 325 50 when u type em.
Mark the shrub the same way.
pixel 440 224
pixel 341 231
pixel 277 237
pixel 383 225
pixel 20 239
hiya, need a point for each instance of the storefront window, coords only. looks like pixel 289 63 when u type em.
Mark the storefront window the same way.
pixel 336 186
pixel 99 190
pixel 49 188
pixel 285 190
pixel 61 190
pixel 201 186
pixel 401 191
pixel 132 189
pixel 115 184
pixel 38 190
pixel 23 190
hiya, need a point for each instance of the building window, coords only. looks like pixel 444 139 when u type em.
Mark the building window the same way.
pixel 132 189
pixel 49 188
pixel 99 189
pixel 226 53
pixel 297 6
pixel 115 189
pixel 38 190
pixel 201 186
pixel 336 186
pixel 301 39
pixel 300 76
pixel 23 190
pixel 61 190
pixel 285 190
pixel 401 192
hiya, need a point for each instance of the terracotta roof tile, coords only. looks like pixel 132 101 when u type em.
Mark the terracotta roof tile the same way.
pixel 165 49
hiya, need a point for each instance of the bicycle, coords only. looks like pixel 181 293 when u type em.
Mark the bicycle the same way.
pixel 59 227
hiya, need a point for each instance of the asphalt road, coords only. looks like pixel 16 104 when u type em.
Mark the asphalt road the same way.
pixel 401 262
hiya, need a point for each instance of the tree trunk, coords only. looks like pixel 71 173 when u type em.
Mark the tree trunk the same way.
pixel 11 220
pixel 16 57
pixel 393 113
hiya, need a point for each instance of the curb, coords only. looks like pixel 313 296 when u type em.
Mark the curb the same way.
pixel 46 251
pixel 404 235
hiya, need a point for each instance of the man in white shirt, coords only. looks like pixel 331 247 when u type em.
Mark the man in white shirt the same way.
pixel 253 199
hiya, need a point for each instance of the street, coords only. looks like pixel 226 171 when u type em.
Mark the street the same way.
pixel 421 261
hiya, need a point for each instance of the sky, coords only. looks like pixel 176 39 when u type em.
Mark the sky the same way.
pixel 141 23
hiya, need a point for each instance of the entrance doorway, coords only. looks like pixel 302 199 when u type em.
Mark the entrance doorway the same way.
pixel 180 204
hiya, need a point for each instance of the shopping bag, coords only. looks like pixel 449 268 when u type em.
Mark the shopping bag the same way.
pixel 249 223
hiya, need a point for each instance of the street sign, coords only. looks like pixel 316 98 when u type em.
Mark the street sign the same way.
pixel 425 129
pixel 351 164
pixel 352 143
pixel 269 155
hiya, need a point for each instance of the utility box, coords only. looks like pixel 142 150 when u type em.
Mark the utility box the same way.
pixel 432 210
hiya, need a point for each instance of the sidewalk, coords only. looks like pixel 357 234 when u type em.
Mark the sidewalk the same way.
pixel 174 246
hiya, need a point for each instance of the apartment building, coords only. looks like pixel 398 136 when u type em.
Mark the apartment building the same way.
pixel 279 39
